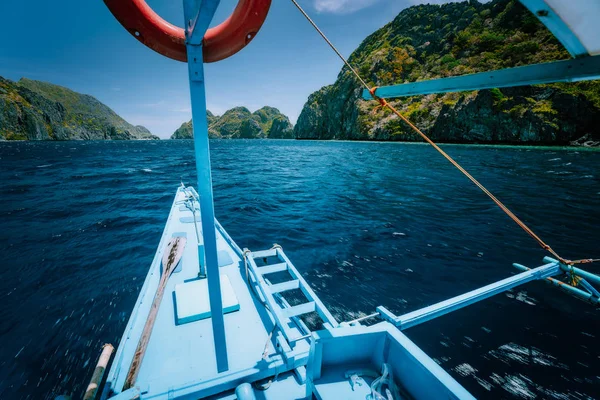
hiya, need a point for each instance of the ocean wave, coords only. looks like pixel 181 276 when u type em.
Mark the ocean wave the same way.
pixel 401 230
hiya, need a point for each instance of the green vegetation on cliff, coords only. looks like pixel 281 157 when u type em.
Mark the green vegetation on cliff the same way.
pixel 185 131
pixel 240 123
pixel 34 110
pixel 431 41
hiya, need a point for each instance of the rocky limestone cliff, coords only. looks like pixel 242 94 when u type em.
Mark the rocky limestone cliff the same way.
pixel 240 123
pixel 185 131
pixel 430 41
pixel 33 110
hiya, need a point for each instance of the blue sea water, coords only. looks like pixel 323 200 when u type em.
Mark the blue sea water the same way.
pixel 368 224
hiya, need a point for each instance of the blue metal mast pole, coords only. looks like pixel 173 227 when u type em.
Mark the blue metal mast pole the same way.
pixel 198 14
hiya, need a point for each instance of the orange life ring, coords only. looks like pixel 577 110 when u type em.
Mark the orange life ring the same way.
pixel 167 39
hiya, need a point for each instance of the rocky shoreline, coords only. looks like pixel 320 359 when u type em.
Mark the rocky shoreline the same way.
pixel 34 110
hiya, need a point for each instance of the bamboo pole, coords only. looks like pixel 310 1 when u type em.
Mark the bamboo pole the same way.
pixel 92 389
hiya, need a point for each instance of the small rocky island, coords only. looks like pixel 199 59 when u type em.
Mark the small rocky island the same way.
pixel 34 110
pixel 240 123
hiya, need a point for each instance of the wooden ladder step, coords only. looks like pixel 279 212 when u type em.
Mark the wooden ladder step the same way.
pixel 300 309
pixel 271 269
pixel 264 253
pixel 283 286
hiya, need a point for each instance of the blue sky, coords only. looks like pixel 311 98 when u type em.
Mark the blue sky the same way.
pixel 78 44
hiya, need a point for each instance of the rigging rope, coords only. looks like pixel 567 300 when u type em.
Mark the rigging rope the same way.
pixel 384 103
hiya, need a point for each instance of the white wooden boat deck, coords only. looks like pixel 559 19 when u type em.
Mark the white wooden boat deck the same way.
pixel 181 358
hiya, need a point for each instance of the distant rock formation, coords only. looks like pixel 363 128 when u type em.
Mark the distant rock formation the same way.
pixel 185 131
pixel 240 123
pixel 34 110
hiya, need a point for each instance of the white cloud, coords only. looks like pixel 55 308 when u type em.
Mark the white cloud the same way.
pixel 348 6
pixel 342 6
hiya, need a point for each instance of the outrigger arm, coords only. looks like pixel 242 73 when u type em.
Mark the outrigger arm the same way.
pixel 198 15
pixel 575 70
pixel 545 273
pixel 576 34
pixel 437 310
